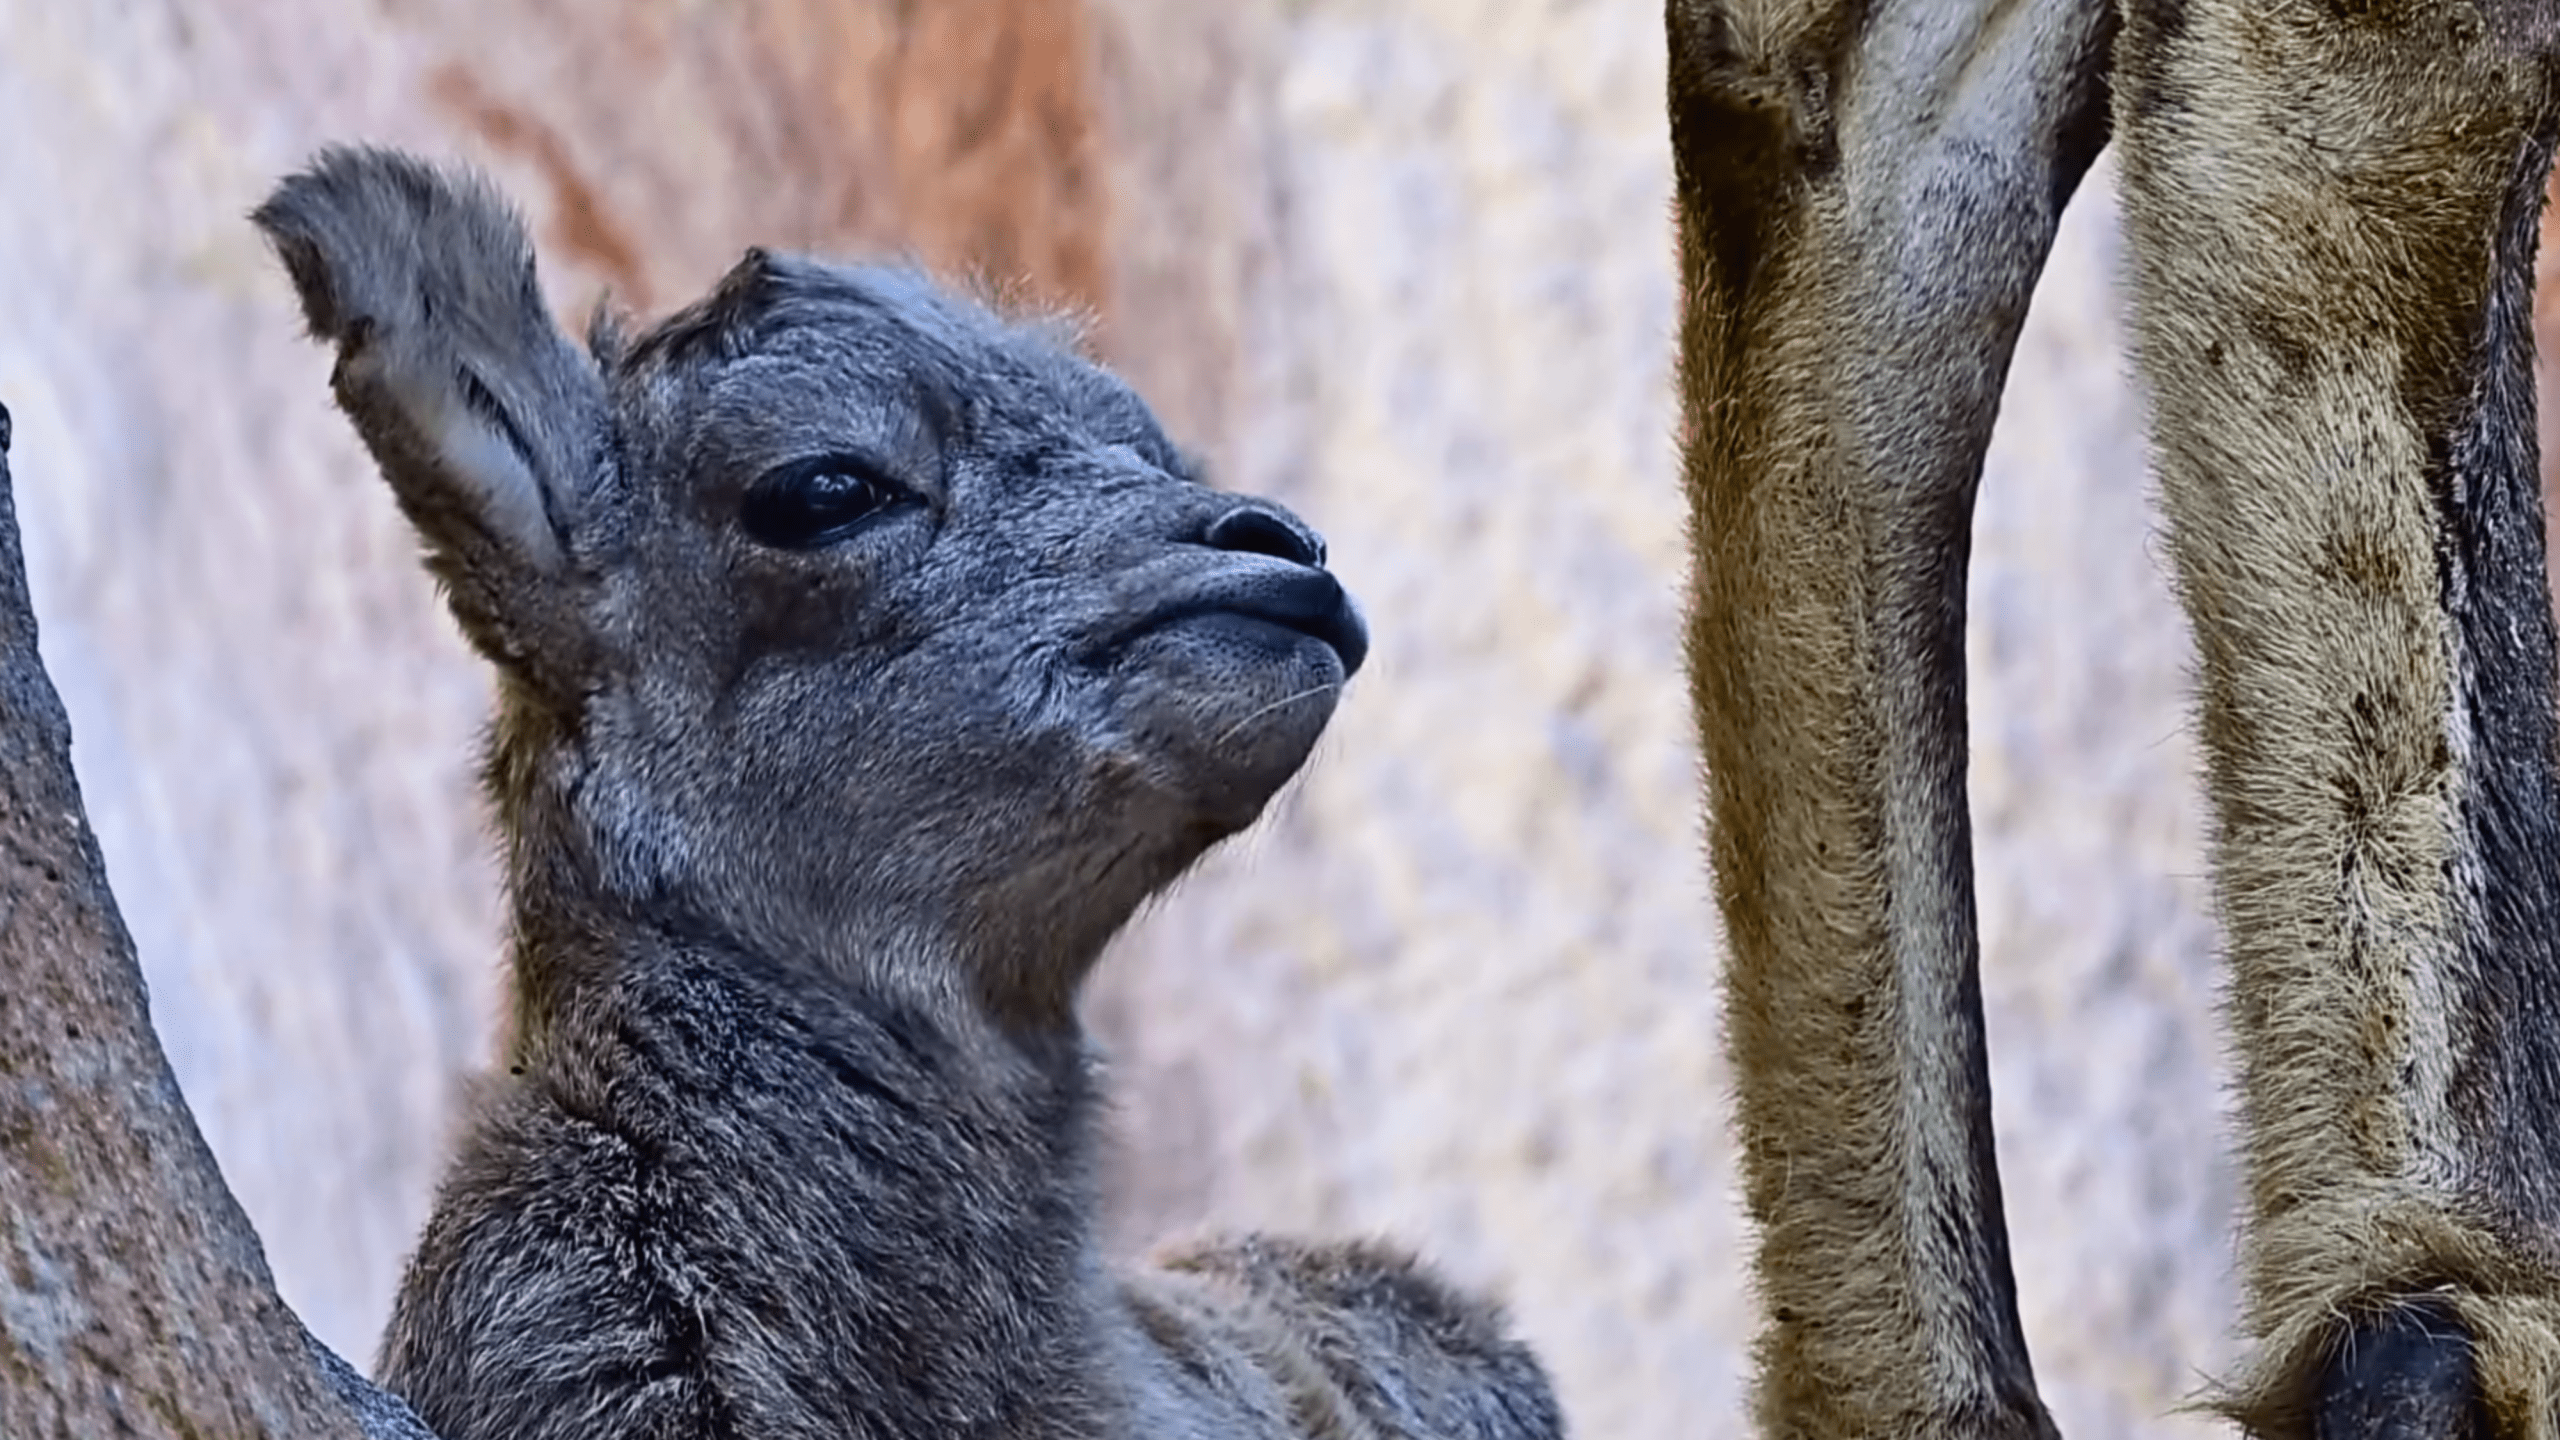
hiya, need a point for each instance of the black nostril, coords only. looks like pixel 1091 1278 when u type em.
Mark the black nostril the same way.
pixel 1258 531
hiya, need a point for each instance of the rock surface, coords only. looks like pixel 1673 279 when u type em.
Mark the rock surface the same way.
pixel 1403 263
pixel 134 1294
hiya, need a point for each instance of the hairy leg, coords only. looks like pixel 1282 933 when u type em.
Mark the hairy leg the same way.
pixel 1866 196
pixel 2331 211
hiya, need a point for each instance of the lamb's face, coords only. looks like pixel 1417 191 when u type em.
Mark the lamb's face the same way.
pixel 835 612
pixel 928 610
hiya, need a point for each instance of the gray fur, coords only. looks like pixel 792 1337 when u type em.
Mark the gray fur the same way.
pixel 810 848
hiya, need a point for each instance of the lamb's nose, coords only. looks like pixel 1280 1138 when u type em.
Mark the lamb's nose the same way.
pixel 1263 529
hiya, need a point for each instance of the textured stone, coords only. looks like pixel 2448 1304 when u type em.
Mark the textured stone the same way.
pixel 134 1295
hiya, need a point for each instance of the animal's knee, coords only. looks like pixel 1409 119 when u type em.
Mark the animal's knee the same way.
pixel 2405 1375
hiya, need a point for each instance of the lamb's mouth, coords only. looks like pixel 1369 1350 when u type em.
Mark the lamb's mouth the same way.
pixel 1268 603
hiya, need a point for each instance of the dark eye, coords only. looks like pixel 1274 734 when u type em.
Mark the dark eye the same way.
pixel 809 503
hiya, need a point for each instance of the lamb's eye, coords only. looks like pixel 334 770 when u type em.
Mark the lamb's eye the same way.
pixel 810 503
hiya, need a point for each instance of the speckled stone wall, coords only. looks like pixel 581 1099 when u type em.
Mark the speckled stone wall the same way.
pixel 1403 263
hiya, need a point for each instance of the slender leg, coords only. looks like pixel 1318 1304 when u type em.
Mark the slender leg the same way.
pixel 1866 196
pixel 2331 211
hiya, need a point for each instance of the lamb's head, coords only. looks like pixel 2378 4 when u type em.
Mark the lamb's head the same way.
pixel 834 612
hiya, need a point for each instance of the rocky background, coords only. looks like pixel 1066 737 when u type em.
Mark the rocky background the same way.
pixel 1402 263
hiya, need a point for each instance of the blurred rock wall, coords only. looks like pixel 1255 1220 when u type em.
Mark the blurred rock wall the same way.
pixel 1403 263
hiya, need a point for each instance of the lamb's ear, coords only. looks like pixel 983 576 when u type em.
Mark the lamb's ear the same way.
pixel 488 423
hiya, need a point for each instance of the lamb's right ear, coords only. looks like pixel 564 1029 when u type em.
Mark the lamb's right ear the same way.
pixel 489 424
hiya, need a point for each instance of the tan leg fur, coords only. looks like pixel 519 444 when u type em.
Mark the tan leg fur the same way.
pixel 1866 194
pixel 2331 212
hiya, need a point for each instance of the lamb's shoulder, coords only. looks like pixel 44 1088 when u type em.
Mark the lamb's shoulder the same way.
pixel 559 1288
pixel 716 1216
pixel 1358 1339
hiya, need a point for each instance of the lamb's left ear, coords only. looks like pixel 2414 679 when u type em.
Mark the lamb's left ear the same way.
pixel 487 422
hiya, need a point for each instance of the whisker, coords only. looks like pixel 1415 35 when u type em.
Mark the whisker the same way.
pixel 1307 694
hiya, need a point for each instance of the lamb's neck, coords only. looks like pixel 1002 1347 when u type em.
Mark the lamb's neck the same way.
pixel 576 951
pixel 1011 955
pixel 845 1130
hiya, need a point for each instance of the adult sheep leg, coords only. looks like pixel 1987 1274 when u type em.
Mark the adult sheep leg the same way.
pixel 2331 212
pixel 1866 196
